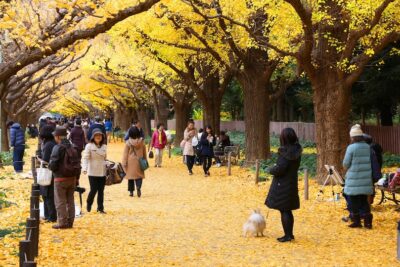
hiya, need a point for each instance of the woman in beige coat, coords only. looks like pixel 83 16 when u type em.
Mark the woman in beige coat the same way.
pixel 188 149
pixel 134 149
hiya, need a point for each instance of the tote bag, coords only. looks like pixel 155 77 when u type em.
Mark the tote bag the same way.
pixel 44 175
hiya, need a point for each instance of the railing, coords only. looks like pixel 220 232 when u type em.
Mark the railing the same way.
pixel 29 248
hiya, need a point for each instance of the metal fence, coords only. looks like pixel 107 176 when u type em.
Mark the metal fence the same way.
pixel 387 136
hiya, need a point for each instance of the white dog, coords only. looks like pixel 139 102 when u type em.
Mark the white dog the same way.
pixel 255 225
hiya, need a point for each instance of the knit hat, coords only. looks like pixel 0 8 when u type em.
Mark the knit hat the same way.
pixel 60 131
pixel 356 131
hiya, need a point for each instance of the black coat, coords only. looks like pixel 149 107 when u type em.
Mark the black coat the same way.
pixel 207 148
pixel 47 148
pixel 284 193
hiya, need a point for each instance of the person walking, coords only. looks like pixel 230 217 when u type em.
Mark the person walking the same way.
pixel 188 149
pixel 283 194
pixel 207 143
pixel 358 182
pixel 17 143
pixel 47 192
pixel 109 128
pixel 158 142
pixel 134 150
pixel 94 165
pixel 78 139
pixel 65 164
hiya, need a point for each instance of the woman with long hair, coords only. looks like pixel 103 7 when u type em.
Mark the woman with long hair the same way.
pixel 207 143
pixel 284 193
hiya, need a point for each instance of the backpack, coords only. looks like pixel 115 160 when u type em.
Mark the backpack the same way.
pixel 71 164
pixel 376 170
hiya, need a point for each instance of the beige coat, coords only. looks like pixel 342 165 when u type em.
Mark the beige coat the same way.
pixel 188 148
pixel 130 161
pixel 94 160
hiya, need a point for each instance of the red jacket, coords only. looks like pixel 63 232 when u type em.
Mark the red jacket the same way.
pixel 155 141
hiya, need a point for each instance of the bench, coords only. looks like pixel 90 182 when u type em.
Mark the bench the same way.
pixel 391 192
pixel 233 151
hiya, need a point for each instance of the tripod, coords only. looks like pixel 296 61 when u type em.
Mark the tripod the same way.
pixel 333 178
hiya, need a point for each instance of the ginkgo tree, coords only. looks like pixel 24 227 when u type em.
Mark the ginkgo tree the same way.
pixel 34 30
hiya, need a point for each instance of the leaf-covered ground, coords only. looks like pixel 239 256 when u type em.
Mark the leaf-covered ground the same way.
pixel 187 220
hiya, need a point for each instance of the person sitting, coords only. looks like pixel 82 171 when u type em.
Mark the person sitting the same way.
pixel 223 142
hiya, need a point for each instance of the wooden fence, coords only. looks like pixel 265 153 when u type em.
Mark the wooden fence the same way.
pixel 387 137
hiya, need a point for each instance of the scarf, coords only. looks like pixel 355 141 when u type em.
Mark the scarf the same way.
pixel 160 137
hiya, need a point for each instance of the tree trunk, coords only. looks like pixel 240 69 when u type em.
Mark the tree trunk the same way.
pixel 386 115
pixel 212 112
pixel 332 104
pixel 161 110
pixel 145 120
pixel 181 118
pixel 123 117
pixel 4 131
pixel 256 114
pixel 280 109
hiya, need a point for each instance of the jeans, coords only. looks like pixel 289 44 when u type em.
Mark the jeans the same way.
pixel 287 220
pixel 97 185
pixel 189 162
pixel 207 162
pixel 18 157
pixel 359 205
pixel 64 201
pixel 131 184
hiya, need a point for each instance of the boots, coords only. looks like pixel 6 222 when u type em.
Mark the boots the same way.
pixel 356 221
pixel 368 221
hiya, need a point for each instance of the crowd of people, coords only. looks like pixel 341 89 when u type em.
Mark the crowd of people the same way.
pixel 70 149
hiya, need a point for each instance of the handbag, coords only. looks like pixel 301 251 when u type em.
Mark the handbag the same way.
pixel 114 175
pixel 151 154
pixel 144 164
pixel 44 175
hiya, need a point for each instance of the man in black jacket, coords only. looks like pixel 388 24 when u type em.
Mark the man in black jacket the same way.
pixel 64 186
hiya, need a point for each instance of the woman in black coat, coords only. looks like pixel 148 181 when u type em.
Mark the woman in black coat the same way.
pixel 284 193
pixel 47 192
pixel 207 143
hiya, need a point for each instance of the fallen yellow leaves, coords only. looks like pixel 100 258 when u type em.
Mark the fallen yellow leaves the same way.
pixel 184 220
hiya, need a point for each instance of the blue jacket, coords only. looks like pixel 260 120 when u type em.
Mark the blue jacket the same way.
pixel 359 173
pixel 207 148
pixel 17 135
pixel 108 126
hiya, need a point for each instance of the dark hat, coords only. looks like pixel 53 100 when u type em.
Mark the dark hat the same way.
pixel 94 132
pixel 60 131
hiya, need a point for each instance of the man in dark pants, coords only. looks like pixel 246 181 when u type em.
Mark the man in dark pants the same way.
pixel 17 142
pixel 64 185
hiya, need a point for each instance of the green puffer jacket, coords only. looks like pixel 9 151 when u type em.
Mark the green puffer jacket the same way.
pixel 359 172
